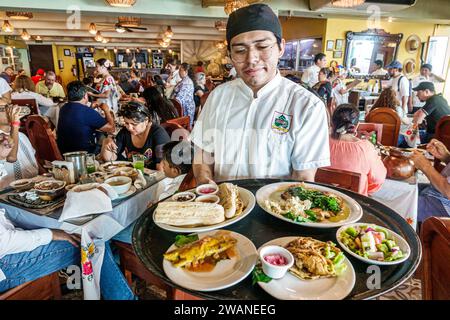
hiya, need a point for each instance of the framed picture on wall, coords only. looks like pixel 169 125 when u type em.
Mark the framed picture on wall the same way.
pixel 5 60
pixel 337 54
pixel 2 52
pixel 330 45
pixel 61 64
pixel 339 44
pixel 67 52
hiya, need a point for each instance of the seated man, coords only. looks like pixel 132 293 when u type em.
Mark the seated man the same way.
pixel 434 200
pixel 78 122
pixel 434 109
pixel 49 87
pixel 27 255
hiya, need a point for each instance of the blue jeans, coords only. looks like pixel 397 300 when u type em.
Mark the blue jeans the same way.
pixel 126 234
pixel 31 265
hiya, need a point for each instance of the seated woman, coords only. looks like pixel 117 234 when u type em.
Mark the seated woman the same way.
pixel 184 92
pixel 323 87
pixel 158 104
pixel 139 136
pixel 350 153
pixel 24 88
pixel 435 199
pixel 200 88
pixel 388 99
pixel 20 162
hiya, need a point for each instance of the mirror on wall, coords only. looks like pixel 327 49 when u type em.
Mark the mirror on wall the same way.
pixel 364 48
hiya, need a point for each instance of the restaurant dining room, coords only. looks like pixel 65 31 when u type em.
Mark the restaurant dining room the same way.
pixel 244 150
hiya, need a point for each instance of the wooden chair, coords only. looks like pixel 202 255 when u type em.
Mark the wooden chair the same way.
pixel 175 131
pixel 442 134
pixel 189 182
pixel 182 121
pixel 45 288
pixel 177 105
pixel 353 98
pixel 210 84
pixel 42 140
pixel 367 128
pixel 435 237
pixel 34 110
pixel 203 98
pixel 340 178
pixel 391 124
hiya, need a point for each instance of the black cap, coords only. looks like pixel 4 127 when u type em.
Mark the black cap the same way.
pixel 424 86
pixel 254 17
pixel 427 66
pixel 379 63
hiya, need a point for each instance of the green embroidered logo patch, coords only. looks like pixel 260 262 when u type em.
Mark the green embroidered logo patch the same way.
pixel 281 122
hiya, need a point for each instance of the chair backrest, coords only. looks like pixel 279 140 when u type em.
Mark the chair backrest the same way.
pixel 210 84
pixel 42 140
pixel 435 237
pixel 178 106
pixel 353 98
pixel 182 121
pixel 189 182
pixel 204 97
pixel 367 128
pixel 43 288
pixel 175 131
pixel 442 134
pixel 340 178
pixel 391 124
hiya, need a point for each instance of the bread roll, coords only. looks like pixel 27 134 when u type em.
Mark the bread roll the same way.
pixel 189 213
pixel 229 195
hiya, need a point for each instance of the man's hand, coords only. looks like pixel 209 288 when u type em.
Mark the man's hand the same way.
pixel 438 150
pixel 419 161
pixel 13 113
pixel 59 235
pixel 110 145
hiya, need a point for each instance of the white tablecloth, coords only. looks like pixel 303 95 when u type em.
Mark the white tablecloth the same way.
pixel 93 233
pixel 401 197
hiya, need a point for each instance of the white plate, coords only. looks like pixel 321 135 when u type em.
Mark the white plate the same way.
pixel 130 191
pixel 404 246
pixel 291 287
pixel 225 274
pixel 356 211
pixel 104 165
pixel 249 202
pixel 20 184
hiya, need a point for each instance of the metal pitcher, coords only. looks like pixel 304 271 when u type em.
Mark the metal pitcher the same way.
pixel 78 158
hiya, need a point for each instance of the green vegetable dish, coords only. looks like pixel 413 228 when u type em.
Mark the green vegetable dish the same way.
pixel 371 242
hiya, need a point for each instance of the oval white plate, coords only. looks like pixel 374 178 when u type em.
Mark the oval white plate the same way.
pixel 249 201
pixel 356 211
pixel 291 287
pixel 404 246
pixel 225 274
pixel 147 171
pixel 130 191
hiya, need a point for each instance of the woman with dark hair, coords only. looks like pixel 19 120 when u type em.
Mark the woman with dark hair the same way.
pixel 107 87
pixel 139 136
pixel 159 104
pixel 347 152
pixel 323 87
pixel 200 87
pixel 184 92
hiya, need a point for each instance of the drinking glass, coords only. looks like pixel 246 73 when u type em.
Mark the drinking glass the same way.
pixel 90 163
pixel 139 162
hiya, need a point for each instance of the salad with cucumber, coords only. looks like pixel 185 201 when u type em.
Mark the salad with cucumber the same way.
pixel 371 242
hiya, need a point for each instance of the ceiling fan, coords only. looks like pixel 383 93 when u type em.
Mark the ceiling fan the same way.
pixel 125 24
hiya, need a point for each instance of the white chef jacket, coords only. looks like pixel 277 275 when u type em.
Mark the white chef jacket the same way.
pixel 380 72
pixel 285 128
pixel 311 75
pixel 340 98
pixel 415 82
pixel 13 240
pixel 4 87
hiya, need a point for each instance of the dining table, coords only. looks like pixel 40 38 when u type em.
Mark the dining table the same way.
pixel 150 242
pixel 94 229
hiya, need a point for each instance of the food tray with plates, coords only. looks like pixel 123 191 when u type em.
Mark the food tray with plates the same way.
pixel 37 203
pixel 150 242
pixel 206 208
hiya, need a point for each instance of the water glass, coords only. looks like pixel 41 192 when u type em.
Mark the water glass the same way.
pixel 90 163
pixel 139 162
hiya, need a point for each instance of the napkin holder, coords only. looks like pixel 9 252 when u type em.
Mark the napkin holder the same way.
pixel 64 170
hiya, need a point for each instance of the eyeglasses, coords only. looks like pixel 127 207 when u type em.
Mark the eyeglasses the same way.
pixel 239 53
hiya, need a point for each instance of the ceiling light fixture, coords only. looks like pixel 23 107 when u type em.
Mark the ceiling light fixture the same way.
pixel 25 35
pixel 120 29
pixel 7 27
pixel 128 51
pixel 149 50
pixel 121 3
pixel 220 25
pixel 38 38
pixel 105 50
pixel 168 33
pixel 390 19
pixel 98 37
pixel 17 15
pixel 164 44
pixel 92 28
pixel 346 3
pixel 233 5
pixel 115 50
pixel 104 40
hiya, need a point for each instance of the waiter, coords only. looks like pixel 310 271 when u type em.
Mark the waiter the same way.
pixel 260 125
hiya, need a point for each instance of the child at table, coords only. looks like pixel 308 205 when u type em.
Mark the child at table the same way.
pixel 176 162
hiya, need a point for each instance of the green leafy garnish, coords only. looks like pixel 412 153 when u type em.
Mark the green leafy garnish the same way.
pixel 182 240
pixel 317 198
pixel 290 216
pixel 258 275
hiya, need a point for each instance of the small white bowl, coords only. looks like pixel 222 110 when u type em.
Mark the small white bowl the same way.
pixel 176 197
pixel 199 189
pixel 210 198
pixel 119 184
pixel 273 271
